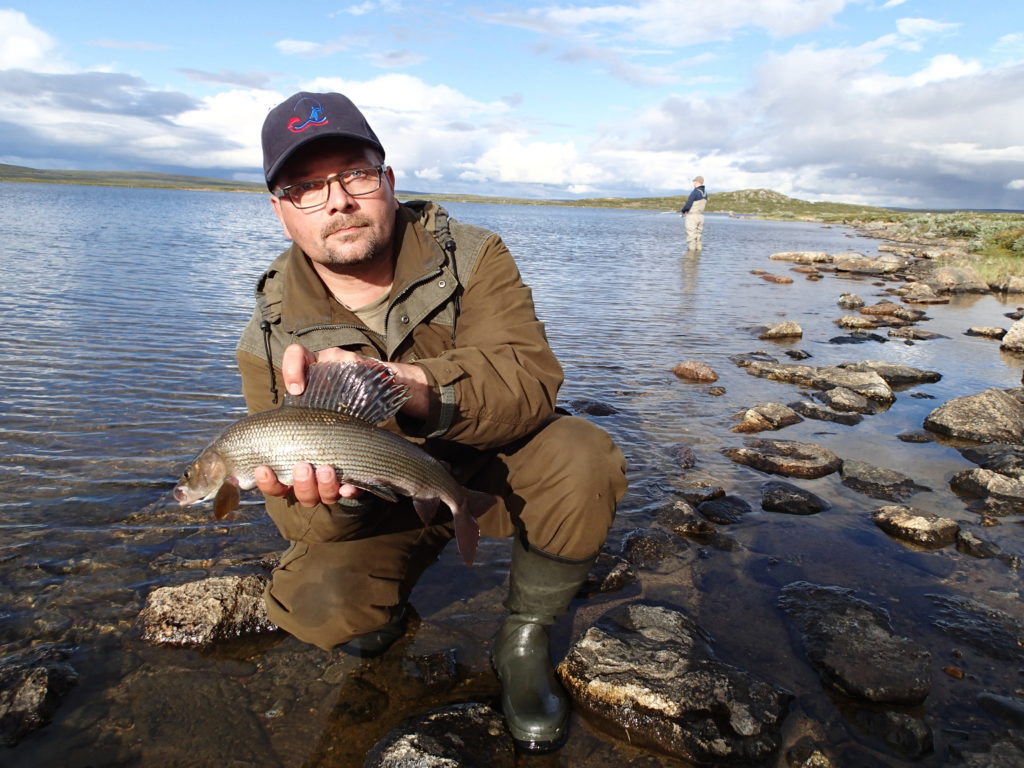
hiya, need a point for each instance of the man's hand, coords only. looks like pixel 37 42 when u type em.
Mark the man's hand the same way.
pixel 320 485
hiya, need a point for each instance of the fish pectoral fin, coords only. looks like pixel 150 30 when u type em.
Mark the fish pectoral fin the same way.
pixel 426 509
pixel 226 501
pixel 380 491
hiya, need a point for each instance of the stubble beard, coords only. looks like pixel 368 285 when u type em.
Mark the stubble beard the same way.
pixel 351 254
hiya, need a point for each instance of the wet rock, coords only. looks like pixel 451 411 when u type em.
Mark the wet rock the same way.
pixel 778 279
pixel 890 309
pixel 469 734
pixel 760 356
pixel 845 399
pixel 685 457
pixel 859 264
pixel 969 544
pixel 785 457
pixel 878 482
pixel 858 337
pixel 694 371
pixel 908 524
pixel 1013 341
pixel 850 301
pixel 608 574
pixel 915 436
pixel 823 413
pixel 696 492
pixel 784 330
pixel 869 384
pixel 777 496
pixel 803 257
pixel 725 510
pixel 914 334
pixel 856 321
pixel 894 374
pixel 647 671
pixel 852 645
pixel 921 293
pixel 908 735
pixel 987 629
pixel 997 753
pixel 798 354
pixel 716 391
pixel 1011 284
pixel 808 753
pixel 805 269
pixel 592 407
pixel 32 685
pixel 203 612
pixel 684 521
pixel 957 280
pixel 999 457
pixel 649 549
pixel 992 416
pixel 987 331
pixel 1007 708
pixel 986 483
pixel 766 416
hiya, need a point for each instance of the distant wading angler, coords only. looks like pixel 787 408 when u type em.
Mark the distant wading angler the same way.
pixel 441 304
pixel 693 215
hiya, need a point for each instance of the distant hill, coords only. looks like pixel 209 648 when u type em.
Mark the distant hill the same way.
pixel 745 202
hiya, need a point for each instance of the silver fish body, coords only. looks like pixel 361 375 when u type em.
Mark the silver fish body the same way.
pixel 361 453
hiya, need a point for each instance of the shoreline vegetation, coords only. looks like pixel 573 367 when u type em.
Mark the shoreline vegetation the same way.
pixel 993 241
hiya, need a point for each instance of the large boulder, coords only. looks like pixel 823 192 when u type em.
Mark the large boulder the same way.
pixel 957 280
pixel 646 671
pixel 1013 340
pixel 785 457
pixel 992 416
pixel 32 685
pixel 869 384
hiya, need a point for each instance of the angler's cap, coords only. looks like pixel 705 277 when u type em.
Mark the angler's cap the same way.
pixel 306 117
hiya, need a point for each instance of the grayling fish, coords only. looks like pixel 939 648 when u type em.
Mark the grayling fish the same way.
pixel 333 422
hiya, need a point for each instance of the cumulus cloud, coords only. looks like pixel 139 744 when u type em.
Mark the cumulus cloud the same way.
pixel 24 46
pixel 310 50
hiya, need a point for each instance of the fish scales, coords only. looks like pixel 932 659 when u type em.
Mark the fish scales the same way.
pixel 361 452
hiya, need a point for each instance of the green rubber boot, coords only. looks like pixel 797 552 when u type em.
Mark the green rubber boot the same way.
pixel 535 705
pixel 373 644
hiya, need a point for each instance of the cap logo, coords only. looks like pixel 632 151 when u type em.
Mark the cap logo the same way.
pixel 309 112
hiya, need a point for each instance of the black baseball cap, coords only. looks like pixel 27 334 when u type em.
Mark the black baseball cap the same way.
pixel 307 117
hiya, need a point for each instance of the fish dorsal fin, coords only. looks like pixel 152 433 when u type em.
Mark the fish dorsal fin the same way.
pixel 366 391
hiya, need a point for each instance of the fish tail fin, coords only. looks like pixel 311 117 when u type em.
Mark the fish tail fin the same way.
pixel 467 530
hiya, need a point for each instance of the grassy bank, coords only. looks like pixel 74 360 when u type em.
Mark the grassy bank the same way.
pixel 994 241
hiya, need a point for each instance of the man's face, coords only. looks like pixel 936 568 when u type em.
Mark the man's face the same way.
pixel 346 231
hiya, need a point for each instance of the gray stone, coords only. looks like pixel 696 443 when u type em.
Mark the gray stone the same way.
pixel 785 457
pixel 986 483
pixel 878 482
pixel 992 416
pixel 766 416
pixel 725 510
pixel 823 413
pixel 908 524
pixel 650 549
pixel 910 736
pixel 957 280
pixel 856 321
pixel 203 612
pixel 803 257
pixel 869 384
pixel 850 301
pixel 1011 284
pixel 1013 341
pixel 608 574
pixel 852 645
pixel 989 630
pixel 777 496
pixel 694 371
pixel 785 330
pixel 1003 458
pixel 845 399
pixel 646 671
pixel 986 331
pixel 859 264
pixel 894 374
pixel 469 734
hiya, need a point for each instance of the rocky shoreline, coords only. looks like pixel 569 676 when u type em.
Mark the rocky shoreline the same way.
pixel 647 672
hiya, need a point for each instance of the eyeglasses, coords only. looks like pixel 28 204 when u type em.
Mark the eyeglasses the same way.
pixel 314 192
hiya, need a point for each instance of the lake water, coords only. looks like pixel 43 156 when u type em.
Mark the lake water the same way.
pixel 121 310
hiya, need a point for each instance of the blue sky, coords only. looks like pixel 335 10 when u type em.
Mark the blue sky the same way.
pixel 915 103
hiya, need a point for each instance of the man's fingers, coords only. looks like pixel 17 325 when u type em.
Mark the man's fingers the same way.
pixel 328 487
pixel 267 482
pixel 294 362
pixel 304 485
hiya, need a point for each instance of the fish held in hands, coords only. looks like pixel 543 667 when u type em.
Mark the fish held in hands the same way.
pixel 333 422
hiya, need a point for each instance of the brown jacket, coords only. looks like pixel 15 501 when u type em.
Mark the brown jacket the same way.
pixel 458 308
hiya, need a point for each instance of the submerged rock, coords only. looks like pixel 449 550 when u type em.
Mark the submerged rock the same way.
pixel 724 510
pixel 852 645
pixel 820 412
pixel 878 482
pixel 989 630
pixel 647 671
pixel 32 685
pixel 202 612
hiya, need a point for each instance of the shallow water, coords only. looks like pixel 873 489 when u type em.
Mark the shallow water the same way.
pixel 122 308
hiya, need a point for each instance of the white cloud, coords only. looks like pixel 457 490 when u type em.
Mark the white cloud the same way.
pixel 310 50
pixel 1016 184
pixel 915 32
pixel 24 46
